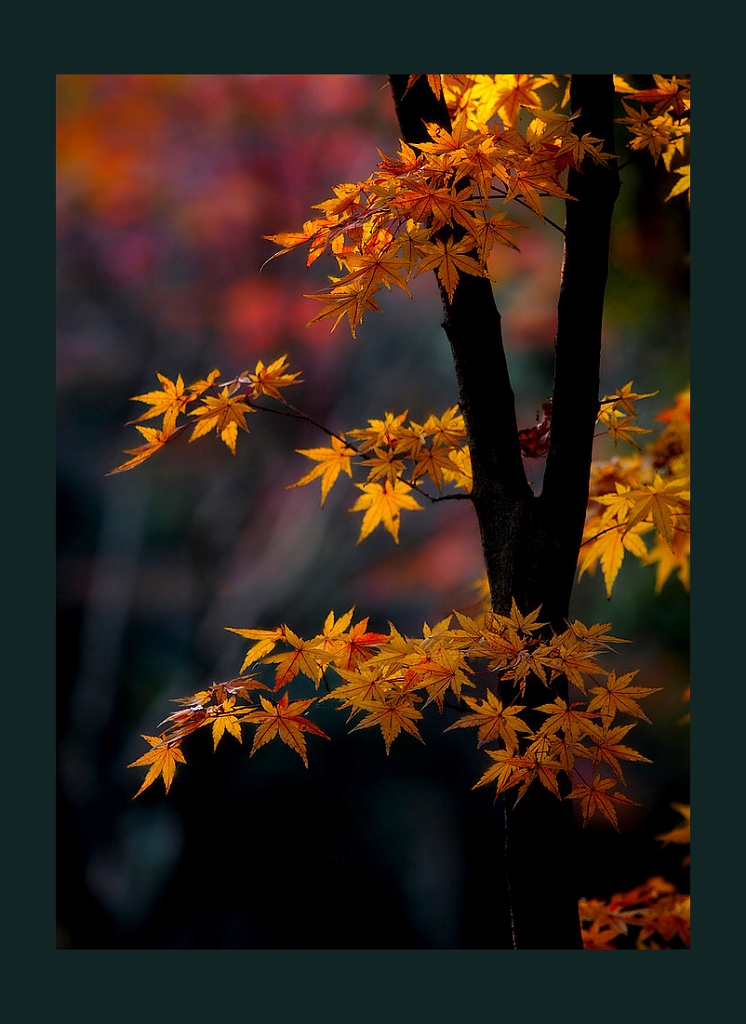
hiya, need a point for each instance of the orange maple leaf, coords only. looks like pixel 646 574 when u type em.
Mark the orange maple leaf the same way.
pixel 494 721
pixel 307 656
pixel 508 770
pixel 448 258
pixel 619 696
pixel 350 300
pixel 392 716
pixel 605 746
pixel 595 797
pixel 162 758
pixel 354 647
pixel 283 720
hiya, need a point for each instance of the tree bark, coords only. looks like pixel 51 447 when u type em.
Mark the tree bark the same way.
pixel 531 543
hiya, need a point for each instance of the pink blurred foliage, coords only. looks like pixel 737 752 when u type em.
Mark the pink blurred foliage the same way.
pixel 175 179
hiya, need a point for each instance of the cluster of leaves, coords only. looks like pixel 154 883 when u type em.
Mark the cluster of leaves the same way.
pixel 389 679
pixel 629 496
pixel 659 124
pixel 220 407
pixel 633 495
pixel 435 205
pixel 658 914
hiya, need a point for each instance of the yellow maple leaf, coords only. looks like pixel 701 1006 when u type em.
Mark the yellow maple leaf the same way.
pixel 224 721
pixel 171 400
pixel 382 504
pixel 266 380
pixel 331 462
pixel 660 501
pixel 155 440
pixel 608 548
pixel 224 413
pixel 683 184
pixel 266 641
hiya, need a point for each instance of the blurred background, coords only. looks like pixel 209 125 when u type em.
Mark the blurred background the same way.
pixel 166 186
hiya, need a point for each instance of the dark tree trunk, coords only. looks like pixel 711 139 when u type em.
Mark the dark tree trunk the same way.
pixel 530 543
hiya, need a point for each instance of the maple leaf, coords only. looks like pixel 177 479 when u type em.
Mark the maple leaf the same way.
pixel 315 232
pixel 200 386
pixel 609 547
pixel 392 716
pixel 354 647
pixel 225 413
pixel 346 200
pixel 283 720
pixel 267 380
pixel 380 464
pixel 508 770
pixel 448 429
pixel 460 474
pixel 435 462
pixel 618 696
pixel 595 798
pixel 681 833
pixel 660 501
pixel 267 640
pixel 574 659
pixel 162 759
pixel 386 432
pixel 517 620
pixel 572 722
pixel 155 440
pixel 224 721
pixel 169 402
pixel 367 683
pixel 331 462
pixel 624 397
pixel 382 505
pixel 605 746
pixel 542 765
pixel 449 257
pixel 350 300
pixel 306 656
pixel 683 185
pixel 376 266
pixel 670 559
pixel 515 91
pixel 333 630
pixel 494 721
pixel 442 670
